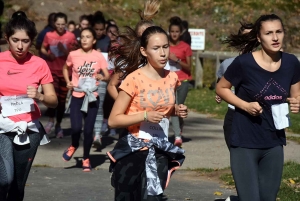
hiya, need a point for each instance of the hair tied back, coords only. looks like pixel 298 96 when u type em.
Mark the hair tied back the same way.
pixel 18 14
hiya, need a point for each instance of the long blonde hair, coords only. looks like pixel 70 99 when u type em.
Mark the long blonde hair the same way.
pixel 147 14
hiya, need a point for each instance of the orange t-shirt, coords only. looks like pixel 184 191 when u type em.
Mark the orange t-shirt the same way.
pixel 15 77
pixel 85 65
pixel 51 41
pixel 149 95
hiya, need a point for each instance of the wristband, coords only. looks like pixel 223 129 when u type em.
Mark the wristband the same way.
pixel 145 116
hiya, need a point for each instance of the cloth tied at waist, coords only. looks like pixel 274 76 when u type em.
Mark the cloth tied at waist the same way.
pixel 153 182
pixel 22 138
pixel 88 98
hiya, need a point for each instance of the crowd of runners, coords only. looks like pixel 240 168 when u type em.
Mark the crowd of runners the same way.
pixel 131 83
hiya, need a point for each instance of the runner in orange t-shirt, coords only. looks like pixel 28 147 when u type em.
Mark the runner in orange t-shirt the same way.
pixel 144 105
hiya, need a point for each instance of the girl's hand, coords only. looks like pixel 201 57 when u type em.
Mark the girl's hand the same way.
pixel 173 57
pixel 32 92
pixel 70 85
pixel 181 111
pixel 294 105
pixel 99 77
pixel 254 109
pixel 154 116
pixel 218 99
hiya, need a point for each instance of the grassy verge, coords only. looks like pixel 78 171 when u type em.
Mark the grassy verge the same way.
pixel 290 184
pixel 203 101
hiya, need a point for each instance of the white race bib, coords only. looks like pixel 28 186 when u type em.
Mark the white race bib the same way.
pixel 281 117
pixel 13 105
pixel 86 83
pixel 149 130
pixel 174 66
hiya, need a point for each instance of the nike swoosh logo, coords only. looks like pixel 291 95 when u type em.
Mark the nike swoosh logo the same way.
pixel 12 73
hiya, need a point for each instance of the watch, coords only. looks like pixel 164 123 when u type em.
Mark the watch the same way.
pixel 178 61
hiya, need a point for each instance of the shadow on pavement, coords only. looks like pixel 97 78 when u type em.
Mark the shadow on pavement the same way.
pixel 96 160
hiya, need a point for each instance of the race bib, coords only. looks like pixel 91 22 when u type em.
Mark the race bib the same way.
pixel 281 117
pixel 13 105
pixel 86 83
pixel 174 66
pixel 149 130
pixel 54 50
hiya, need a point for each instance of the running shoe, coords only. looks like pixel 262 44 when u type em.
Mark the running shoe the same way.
pixel 49 127
pixel 112 132
pixel 59 132
pixel 67 155
pixel 104 126
pixel 97 141
pixel 178 141
pixel 86 165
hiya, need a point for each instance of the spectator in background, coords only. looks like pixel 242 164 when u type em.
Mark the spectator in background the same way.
pixel 102 45
pixel 180 62
pixel 71 26
pixel 2 40
pixel 84 22
pixel 40 38
pixel 185 35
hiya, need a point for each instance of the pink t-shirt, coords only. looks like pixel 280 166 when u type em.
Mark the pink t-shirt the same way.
pixel 150 95
pixel 15 77
pixel 182 50
pixel 51 40
pixel 85 65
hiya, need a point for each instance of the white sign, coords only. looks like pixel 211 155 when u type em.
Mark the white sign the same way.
pixel 198 39
pixel 149 130
pixel 13 105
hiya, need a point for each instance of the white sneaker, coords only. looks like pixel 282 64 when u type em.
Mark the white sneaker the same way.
pixel 97 141
pixel 49 126
pixel 228 199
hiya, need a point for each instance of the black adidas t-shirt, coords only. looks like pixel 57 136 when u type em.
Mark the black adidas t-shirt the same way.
pixel 255 84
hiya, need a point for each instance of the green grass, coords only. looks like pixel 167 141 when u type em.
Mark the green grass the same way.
pixel 203 101
pixel 290 185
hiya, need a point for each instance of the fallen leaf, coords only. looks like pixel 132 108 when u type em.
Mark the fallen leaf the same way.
pixel 218 193
pixel 292 181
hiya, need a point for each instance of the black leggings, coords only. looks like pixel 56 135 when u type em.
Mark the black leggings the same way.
pixel 257 172
pixel 228 125
pixel 130 180
pixel 76 116
pixel 15 164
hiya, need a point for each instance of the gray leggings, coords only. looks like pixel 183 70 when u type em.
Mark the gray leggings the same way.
pixel 257 172
pixel 15 164
pixel 99 117
pixel 181 94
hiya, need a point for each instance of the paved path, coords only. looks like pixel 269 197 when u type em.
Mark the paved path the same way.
pixel 64 181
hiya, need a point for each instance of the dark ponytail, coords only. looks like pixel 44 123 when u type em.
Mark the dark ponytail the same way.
pixel 248 42
pixel 19 21
pixel 176 21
